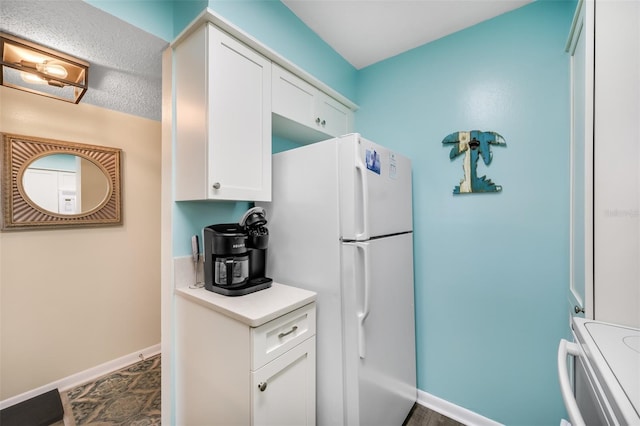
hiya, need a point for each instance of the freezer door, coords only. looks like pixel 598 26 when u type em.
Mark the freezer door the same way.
pixel 379 330
pixel 375 189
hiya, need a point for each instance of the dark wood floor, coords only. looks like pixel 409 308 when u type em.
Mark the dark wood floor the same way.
pixel 423 416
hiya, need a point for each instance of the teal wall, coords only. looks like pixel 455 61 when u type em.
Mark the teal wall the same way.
pixel 491 270
pixel 279 29
pixel 153 16
pixel 269 21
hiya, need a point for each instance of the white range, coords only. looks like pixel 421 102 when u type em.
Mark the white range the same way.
pixel 606 387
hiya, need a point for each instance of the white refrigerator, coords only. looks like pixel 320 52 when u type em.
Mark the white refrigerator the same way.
pixel 340 224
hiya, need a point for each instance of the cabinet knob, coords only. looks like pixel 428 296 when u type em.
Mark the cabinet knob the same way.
pixel 262 386
pixel 578 310
pixel 324 122
pixel 216 185
pixel 318 120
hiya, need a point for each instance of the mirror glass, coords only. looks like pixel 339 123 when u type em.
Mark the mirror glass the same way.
pixel 65 184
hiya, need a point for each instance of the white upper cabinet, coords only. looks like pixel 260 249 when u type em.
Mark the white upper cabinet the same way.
pixel 223 119
pixel 605 162
pixel 303 113
pixel 580 48
pixel 232 94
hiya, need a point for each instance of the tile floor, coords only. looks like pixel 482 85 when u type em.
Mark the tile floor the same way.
pixel 136 396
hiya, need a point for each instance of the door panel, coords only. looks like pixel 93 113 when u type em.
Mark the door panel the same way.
pixel 379 331
pixel 284 389
pixel 240 120
pixel 293 98
pixel 581 244
pixel 333 115
pixel 375 187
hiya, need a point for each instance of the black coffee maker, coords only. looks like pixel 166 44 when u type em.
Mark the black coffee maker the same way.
pixel 236 255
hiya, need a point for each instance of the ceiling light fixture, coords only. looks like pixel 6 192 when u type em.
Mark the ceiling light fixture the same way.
pixel 40 70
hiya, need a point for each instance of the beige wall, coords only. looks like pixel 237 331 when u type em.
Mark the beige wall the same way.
pixel 71 299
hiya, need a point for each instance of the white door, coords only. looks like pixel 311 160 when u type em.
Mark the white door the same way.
pixel 240 120
pixel 375 189
pixel 379 327
pixel 332 117
pixel 293 97
pixel 616 175
pixel 284 390
pixel 41 187
pixel 581 244
pixel 45 187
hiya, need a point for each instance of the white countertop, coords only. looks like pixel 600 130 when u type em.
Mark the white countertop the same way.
pixel 253 309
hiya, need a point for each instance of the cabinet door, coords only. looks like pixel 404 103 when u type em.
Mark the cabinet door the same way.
pixel 293 98
pixel 284 389
pixel 332 117
pixel 311 115
pixel 580 47
pixel 239 120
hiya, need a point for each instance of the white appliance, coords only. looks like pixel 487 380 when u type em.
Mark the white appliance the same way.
pixel 340 225
pixel 606 385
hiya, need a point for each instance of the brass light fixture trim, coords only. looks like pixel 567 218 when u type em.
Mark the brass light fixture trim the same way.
pixel 36 69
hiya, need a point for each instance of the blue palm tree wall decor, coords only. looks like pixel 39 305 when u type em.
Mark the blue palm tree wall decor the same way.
pixel 473 144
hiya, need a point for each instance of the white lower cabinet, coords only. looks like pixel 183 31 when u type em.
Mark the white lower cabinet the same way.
pixel 229 372
pixel 281 393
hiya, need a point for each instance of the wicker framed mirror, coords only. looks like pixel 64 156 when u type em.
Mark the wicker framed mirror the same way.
pixel 56 184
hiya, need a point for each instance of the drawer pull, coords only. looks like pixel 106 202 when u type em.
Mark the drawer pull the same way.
pixel 262 386
pixel 281 335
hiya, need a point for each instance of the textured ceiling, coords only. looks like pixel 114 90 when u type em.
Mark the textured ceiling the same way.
pixel 125 71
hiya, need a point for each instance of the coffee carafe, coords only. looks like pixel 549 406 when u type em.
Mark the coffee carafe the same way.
pixel 235 255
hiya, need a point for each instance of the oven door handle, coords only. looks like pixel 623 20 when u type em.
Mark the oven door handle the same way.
pixel 565 349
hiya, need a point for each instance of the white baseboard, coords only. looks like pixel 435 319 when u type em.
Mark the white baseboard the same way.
pixel 453 411
pixel 69 382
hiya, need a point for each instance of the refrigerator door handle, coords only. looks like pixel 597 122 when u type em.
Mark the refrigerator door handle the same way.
pixel 366 290
pixel 364 188
pixel 564 350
